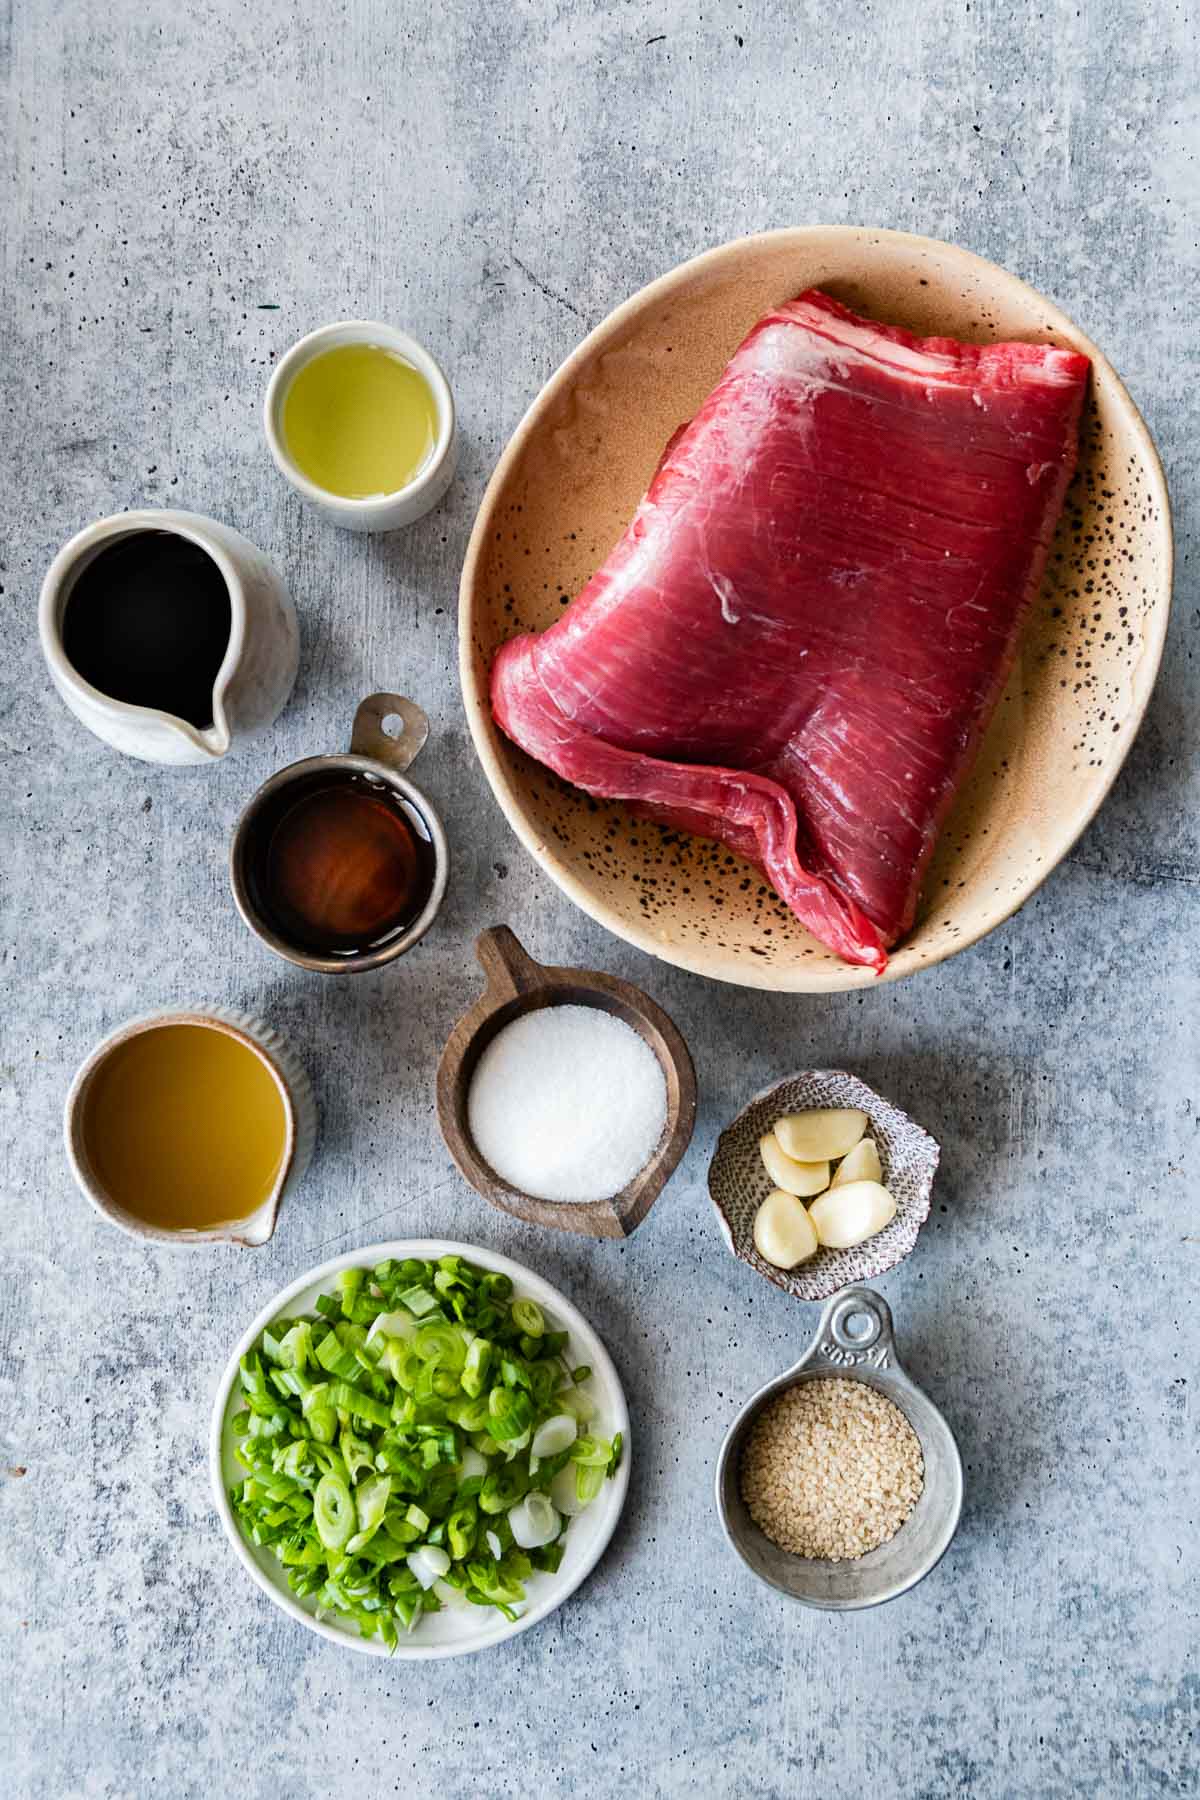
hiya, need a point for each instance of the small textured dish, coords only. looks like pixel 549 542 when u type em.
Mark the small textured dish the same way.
pixel 568 483
pixel 516 985
pixel 299 1107
pixel 856 1342
pixel 451 1632
pixel 738 1184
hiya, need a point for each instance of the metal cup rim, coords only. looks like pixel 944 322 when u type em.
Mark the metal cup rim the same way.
pixel 353 762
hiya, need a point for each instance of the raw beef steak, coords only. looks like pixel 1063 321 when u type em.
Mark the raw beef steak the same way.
pixel 797 644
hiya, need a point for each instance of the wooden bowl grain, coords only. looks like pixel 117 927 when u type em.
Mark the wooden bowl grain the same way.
pixel 575 469
pixel 516 984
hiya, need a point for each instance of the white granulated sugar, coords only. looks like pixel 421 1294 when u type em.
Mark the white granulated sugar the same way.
pixel 567 1103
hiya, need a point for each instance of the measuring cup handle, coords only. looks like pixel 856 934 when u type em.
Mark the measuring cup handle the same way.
pixel 370 739
pixel 510 970
pixel 855 1330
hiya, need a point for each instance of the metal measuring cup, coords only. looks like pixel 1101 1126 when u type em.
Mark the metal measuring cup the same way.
pixel 855 1341
pixel 373 752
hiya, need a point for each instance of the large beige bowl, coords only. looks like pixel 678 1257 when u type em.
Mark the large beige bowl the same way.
pixel 575 469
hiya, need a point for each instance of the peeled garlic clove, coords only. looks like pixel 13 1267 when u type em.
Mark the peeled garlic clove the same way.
pixel 848 1215
pixel 783 1231
pixel 861 1164
pixel 820 1135
pixel 792 1177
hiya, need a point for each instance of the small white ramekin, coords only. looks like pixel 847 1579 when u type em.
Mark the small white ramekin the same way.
pixel 299 1108
pixel 377 512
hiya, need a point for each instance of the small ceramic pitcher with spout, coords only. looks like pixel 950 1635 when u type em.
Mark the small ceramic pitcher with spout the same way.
pixel 300 1115
pixel 256 674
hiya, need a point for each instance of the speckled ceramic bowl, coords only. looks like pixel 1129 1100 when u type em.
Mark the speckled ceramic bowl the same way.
pixel 738 1184
pixel 578 464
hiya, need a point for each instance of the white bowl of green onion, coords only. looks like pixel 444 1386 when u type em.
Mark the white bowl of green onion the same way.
pixel 419 1449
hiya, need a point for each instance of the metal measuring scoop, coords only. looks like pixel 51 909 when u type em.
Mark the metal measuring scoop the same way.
pixel 855 1341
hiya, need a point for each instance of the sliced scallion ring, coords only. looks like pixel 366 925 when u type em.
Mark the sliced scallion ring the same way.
pixel 333 1511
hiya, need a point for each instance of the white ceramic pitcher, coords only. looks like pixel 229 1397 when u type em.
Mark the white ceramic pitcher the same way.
pixel 255 677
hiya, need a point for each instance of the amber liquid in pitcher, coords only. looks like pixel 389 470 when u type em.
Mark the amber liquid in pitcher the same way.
pixel 185 1126
pixel 340 864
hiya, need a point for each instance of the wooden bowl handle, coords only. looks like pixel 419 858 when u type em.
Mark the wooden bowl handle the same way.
pixel 597 1218
pixel 591 1218
pixel 509 970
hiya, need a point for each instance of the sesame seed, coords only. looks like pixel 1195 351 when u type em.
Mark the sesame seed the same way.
pixel 831 1469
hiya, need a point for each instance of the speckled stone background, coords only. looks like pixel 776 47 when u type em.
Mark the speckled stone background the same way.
pixel 185 191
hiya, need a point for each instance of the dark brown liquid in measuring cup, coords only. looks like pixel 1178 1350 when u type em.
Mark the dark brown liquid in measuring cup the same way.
pixel 340 864
pixel 148 622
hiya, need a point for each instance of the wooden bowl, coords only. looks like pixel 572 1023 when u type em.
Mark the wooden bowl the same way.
pixel 571 477
pixel 738 1184
pixel 515 985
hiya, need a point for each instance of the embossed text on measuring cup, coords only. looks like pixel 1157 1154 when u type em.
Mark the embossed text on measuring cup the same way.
pixel 876 1358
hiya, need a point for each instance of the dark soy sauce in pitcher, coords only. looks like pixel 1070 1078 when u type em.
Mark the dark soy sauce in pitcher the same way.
pixel 148 622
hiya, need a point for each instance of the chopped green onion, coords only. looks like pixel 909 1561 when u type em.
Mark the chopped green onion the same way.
pixel 588 1483
pixel 401 1362
pixel 591 1452
pixel 461 1527
pixel 395 1324
pixel 502 1489
pixel 510 1413
pixel 349 1282
pixel 295 1351
pixel 475 1369
pixel 356 1452
pixel 419 1301
pixel 413 1444
pixel 428 1564
pixel 576 1400
pixel 317 1411
pixel 471 1415
pixel 333 1511
pixel 527 1317
pixel 564 1491
pixel 471 1464
pixel 370 1504
pixel 441 1345
pixel 555 1435
pixel 335 1353
pixel 362 1406
pixel 534 1522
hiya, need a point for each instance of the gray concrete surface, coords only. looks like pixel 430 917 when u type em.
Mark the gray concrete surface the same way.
pixel 186 190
